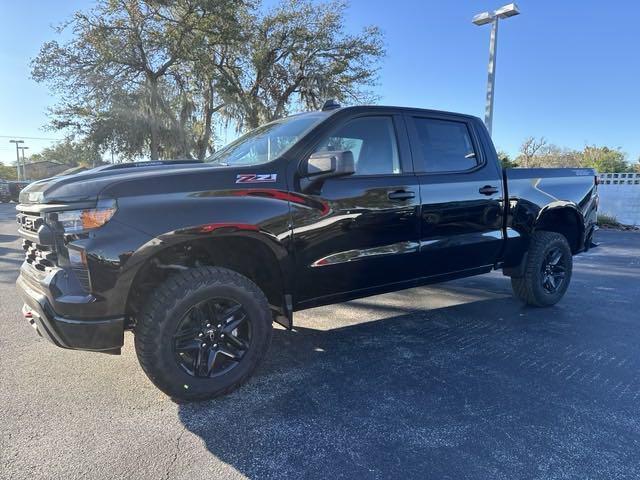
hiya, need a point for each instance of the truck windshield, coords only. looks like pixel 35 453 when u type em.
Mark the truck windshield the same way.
pixel 266 142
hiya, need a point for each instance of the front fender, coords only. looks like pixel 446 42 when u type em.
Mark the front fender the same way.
pixel 165 221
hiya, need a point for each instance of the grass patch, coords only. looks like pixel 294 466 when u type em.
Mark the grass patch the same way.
pixel 605 220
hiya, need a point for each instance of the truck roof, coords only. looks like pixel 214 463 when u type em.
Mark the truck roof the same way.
pixel 383 108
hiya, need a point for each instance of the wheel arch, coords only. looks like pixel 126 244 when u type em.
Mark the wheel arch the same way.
pixel 564 218
pixel 257 255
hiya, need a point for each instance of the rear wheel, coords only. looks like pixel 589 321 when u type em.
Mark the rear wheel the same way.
pixel 202 333
pixel 547 272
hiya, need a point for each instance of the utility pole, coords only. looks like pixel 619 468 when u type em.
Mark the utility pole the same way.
pixel 24 172
pixel 17 155
pixel 483 18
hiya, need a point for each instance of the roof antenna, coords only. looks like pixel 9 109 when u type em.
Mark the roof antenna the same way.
pixel 330 104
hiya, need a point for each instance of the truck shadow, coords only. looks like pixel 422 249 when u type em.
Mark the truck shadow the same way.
pixel 382 399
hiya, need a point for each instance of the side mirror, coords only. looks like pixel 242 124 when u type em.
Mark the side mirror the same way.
pixel 330 164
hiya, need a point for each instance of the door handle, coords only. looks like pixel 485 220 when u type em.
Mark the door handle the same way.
pixel 488 190
pixel 401 195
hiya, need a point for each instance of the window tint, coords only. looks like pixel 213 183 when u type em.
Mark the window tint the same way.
pixel 372 141
pixel 445 145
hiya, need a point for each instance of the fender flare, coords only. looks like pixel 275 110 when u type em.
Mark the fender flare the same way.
pixel 563 206
pixel 156 245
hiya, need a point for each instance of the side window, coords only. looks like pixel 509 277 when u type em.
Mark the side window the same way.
pixel 372 140
pixel 445 145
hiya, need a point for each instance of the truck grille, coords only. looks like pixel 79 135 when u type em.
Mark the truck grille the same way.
pixel 45 257
pixel 29 222
pixel 39 256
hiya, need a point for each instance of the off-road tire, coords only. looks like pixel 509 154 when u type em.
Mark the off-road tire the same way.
pixel 165 308
pixel 529 288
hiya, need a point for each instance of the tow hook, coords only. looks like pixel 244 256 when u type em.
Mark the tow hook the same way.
pixel 28 314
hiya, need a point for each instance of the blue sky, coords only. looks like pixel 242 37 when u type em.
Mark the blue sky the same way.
pixel 566 70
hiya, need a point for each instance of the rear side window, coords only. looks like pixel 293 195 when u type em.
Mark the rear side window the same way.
pixel 444 145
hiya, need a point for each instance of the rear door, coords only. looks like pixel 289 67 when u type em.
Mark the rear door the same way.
pixel 461 193
pixel 366 231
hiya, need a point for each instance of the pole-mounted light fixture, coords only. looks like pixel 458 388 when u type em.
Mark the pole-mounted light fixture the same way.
pixel 509 10
pixel 17 154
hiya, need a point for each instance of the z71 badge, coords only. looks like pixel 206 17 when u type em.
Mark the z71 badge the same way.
pixel 256 177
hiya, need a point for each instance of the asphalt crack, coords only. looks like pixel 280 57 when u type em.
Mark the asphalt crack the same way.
pixel 176 453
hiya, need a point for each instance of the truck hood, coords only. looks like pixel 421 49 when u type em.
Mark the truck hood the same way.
pixel 86 186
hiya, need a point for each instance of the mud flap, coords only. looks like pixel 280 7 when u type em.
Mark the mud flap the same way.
pixel 284 317
pixel 516 271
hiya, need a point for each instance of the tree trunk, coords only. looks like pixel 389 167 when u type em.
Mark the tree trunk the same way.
pixel 184 150
pixel 209 110
pixel 253 119
pixel 154 145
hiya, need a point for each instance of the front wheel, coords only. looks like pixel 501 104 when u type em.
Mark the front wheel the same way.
pixel 202 333
pixel 547 272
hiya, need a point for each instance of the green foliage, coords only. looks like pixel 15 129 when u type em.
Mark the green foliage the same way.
pixel 605 159
pixel 296 56
pixel 505 160
pixel 605 220
pixel 8 172
pixel 142 77
pixel 538 153
pixel 69 152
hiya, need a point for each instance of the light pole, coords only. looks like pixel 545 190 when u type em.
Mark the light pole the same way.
pixel 17 154
pixel 24 172
pixel 483 18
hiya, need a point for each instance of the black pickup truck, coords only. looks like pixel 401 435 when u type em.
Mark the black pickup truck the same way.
pixel 198 259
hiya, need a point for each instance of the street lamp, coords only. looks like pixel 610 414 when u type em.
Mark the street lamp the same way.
pixel 483 18
pixel 17 155
pixel 24 171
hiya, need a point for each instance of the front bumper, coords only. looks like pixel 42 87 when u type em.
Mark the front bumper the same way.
pixel 104 335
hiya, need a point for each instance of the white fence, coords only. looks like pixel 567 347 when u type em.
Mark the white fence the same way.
pixel 620 196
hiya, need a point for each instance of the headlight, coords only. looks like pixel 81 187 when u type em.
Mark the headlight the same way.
pixel 75 221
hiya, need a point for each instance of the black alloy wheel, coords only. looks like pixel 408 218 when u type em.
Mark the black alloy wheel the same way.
pixel 203 332
pixel 553 270
pixel 212 338
pixel 547 270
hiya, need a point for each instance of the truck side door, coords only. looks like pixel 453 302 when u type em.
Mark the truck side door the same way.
pixel 461 192
pixel 367 232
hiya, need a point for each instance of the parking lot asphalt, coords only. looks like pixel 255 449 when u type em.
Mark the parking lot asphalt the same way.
pixel 454 381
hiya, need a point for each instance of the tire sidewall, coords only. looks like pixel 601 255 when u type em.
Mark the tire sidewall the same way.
pixel 542 296
pixel 171 378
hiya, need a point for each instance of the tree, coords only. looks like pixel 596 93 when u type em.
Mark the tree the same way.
pixel 605 159
pixel 69 152
pixel 8 172
pixel 528 151
pixel 539 153
pixel 122 74
pixel 150 77
pixel 557 157
pixel 505 160
pixel 296 55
